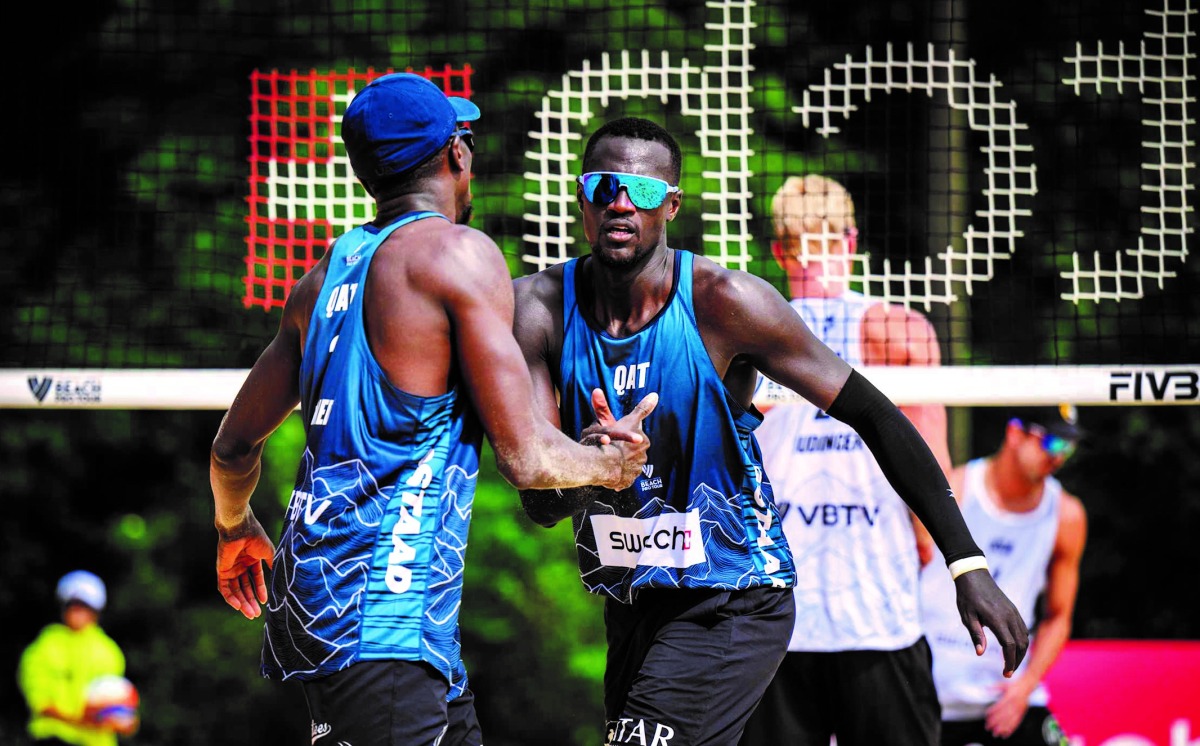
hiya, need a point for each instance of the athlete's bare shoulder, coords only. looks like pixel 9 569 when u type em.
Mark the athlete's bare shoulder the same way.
pixel 303 297
pixel 540 290
pixel 734 304
pixel 538 321
pixel 439 257
pixel 1072 511
pixel 1071 536
pixel 729 290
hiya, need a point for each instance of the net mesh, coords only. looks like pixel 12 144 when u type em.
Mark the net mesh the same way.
pixel 303 192
pixel 1022 174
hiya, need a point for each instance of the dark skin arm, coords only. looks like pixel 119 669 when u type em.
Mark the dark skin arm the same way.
pixel 747 325
pixel 538 331
pixel 269 394
pixel 530 449
pixel 456 326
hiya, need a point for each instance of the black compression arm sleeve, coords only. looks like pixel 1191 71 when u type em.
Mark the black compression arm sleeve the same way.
pixel 907 463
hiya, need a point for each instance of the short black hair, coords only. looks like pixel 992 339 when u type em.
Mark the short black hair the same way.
pixel 636 128
pixel 408 181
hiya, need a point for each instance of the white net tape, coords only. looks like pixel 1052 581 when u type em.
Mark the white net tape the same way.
pixel 975 385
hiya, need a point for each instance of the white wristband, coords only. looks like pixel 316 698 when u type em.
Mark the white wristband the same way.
pixel 967 564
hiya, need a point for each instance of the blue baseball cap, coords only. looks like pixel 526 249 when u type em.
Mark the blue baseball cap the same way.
pixel 399 120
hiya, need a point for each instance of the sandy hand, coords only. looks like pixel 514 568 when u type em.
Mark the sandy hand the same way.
pixel 625 434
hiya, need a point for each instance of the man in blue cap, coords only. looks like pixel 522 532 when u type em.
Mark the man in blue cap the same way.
pixel 398 345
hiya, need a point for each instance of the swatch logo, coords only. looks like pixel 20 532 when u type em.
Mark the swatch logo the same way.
pixel 40 386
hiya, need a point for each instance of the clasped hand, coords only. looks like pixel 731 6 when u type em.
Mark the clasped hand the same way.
pixel 626 434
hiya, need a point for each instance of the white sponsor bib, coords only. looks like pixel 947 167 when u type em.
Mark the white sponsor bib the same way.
pixel 667 540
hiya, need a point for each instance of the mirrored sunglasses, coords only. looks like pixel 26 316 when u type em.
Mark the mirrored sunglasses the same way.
pixel 1055 445
pixel 645 192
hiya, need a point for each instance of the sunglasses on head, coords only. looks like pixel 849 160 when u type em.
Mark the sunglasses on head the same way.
pixel 645 192
pixel 466 135
pixel 1054 445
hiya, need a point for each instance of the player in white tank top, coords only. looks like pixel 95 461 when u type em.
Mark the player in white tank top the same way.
pixel 857 665
pixel 1033 533
pixel 854 544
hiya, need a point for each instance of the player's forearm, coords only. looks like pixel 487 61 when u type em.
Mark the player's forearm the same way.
pixel 548 507
pixel 233 474
pixel 907 462
pixel 550 460
pixel 572 485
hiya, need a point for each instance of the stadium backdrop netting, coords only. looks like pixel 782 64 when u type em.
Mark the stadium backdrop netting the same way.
pixel 1023 173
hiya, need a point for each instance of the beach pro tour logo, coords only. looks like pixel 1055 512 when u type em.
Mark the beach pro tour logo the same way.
pixel 303 192
pixel 65 390
pixel 39 387
pixel 1165 385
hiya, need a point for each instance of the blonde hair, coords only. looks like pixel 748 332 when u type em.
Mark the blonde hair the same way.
pixel 803 202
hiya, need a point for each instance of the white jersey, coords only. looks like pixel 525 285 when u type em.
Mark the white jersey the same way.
pixel 1019 547
pixel 851 534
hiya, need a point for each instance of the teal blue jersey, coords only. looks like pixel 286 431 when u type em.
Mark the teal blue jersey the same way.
pixel 702 514
pixel 370 563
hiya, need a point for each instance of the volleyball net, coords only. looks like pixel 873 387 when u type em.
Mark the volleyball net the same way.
pixel 1022 176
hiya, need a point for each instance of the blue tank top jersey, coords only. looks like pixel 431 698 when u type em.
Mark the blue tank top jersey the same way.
pixel 702 514
pixel 370 562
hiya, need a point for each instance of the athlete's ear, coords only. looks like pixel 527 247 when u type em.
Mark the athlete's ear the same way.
pixel 458 155
pixel 674 200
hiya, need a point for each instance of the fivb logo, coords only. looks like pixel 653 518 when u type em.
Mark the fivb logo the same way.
pixel 66 390
pixel 1155 386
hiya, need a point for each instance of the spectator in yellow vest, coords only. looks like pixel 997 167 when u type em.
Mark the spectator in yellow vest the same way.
pixel 56 669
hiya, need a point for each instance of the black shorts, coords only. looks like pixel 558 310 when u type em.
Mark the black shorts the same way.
pixel 864 697
pixel 1039 727
pixel 390 703
pixel 687 667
